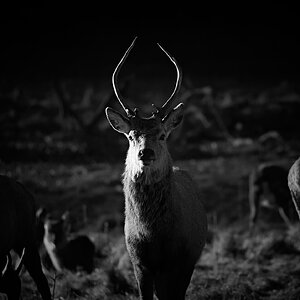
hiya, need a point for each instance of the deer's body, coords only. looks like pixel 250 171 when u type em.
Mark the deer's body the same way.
pixel 165 220
pixel 18 229
pixel 294 184
pixel 165 229
pixel 268 187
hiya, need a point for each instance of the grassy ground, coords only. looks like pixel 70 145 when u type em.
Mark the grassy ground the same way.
pixel 234 264
pixel 52 139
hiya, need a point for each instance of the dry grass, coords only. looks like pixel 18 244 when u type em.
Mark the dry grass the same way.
pixel 234 264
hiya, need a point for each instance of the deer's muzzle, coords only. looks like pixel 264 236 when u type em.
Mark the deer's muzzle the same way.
pixel 146 155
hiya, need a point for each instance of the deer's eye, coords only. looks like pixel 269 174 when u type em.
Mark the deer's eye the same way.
pixel 130 138
pixel 162 137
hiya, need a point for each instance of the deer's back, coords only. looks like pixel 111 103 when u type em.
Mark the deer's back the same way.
pixel 294 178
pixel 273 175
pixel 77 252
pixel 17 215
pixel 270 180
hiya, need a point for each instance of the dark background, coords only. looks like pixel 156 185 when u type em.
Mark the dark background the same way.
pixel 248 41
pixel 247 54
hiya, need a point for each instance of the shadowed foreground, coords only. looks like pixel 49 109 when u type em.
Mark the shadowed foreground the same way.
pixel 234 265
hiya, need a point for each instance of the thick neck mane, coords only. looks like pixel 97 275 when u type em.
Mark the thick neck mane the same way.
pixel 147 202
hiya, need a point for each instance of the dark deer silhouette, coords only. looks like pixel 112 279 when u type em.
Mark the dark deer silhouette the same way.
pixel 268 187
pixel 18 230
pixel 10 282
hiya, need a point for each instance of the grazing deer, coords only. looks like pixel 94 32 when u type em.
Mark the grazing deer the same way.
pixel 10 282
pixel 18 229
pixel 165 220
pixel 67 253
pixel 268 187
pixel 294 184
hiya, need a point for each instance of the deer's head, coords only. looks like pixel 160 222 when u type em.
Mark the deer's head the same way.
pixel 56 229
pixel 146 135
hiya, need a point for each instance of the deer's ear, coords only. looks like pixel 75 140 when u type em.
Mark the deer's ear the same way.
pixel 66 223
pixel 173 118
pixel 117 121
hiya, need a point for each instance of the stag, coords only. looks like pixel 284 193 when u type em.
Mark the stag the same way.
pixel 18 230
pixel 165 220
pixel 294 184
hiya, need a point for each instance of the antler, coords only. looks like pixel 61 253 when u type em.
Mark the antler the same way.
pixel 161 112
pixel 7 264
pixel 20 264
pixel 128 111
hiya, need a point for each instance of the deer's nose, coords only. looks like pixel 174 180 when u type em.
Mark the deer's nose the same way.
pixel 146 155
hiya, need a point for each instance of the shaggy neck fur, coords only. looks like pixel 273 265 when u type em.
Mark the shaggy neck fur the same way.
pixel 147 192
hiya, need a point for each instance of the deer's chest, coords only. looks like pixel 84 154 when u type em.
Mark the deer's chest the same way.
pixel 148 222
pixel 151 251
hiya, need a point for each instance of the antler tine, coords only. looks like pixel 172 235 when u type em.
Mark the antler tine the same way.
pixel 20 264
pixel 128 111
pixel 161 112
pixel 8 262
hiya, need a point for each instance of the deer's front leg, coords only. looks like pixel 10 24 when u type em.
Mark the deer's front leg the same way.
pixel 254 198
pixel 145 282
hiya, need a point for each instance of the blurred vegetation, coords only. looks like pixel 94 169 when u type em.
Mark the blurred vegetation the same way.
pixel 55 138
pixel 65 119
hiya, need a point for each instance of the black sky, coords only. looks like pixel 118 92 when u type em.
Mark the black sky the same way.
pixel 246 41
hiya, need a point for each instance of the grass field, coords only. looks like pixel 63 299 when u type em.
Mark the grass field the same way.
pixel 234 264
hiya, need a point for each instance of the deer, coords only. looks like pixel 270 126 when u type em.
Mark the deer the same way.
pixel 10 282
pixel 67 253
pixel 18 230
pixel 165 220
pixel 268 187
pixel 294 184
